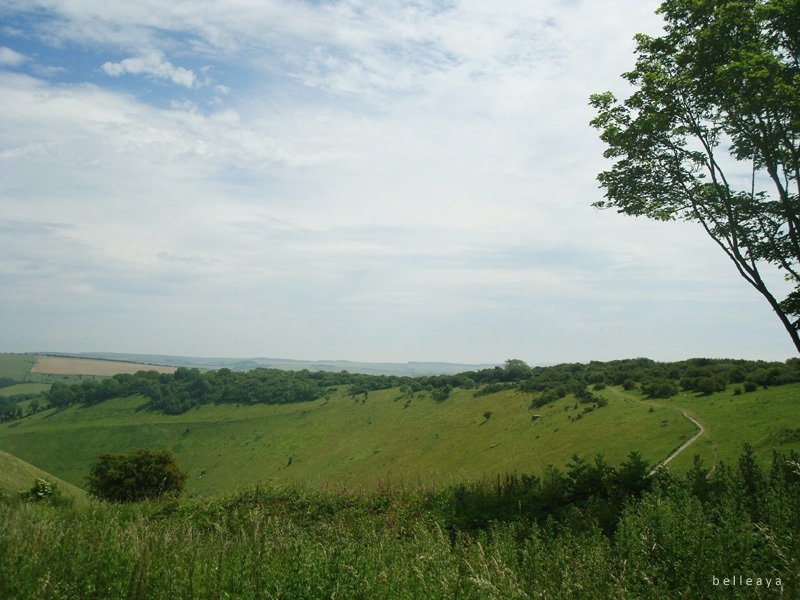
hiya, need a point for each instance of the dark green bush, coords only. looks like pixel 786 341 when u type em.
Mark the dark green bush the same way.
pixel 140 475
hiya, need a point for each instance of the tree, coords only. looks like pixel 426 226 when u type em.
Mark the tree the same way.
pixel 712 134
pixel 441 394
pixel 140 475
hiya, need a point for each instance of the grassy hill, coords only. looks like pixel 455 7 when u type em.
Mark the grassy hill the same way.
pixel 340 439
pixel 768 419
pixel 386 437
pixel 18 476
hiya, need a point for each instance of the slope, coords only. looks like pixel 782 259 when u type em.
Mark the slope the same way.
pixel 18 476
pixel 383 437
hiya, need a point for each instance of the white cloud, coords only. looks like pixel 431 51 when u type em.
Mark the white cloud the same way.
pixel 389 181
pixel 154 64
pixel 10 58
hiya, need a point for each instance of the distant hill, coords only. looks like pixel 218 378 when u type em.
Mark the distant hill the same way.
pixel 412 369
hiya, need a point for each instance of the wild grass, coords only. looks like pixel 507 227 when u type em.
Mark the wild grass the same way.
pixel 404 543
pixel 767 419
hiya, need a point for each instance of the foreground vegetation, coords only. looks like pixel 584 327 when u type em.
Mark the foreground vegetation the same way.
pixel 590 531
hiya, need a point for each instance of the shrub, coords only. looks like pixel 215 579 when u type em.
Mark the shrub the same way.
pixel 660 388
pixel 749 386
pixel 441 394
pixel 140 475
pixel 46 491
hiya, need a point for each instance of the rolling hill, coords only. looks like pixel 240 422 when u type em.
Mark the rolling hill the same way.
pixel 390 437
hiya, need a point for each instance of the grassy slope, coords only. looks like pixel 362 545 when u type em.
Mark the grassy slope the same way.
pixel 18 476
pixel 342 440
pixel 16 366
pixel 767 419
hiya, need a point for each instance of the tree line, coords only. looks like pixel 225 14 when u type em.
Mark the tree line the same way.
pixel 188 388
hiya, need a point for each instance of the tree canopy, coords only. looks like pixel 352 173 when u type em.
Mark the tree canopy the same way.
pixel 711 134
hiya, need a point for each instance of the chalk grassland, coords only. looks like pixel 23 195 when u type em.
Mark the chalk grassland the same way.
pixel 24 388
pixel 389 438
pixel 767 419
pixel 62 365
pixel 18 476
pixel 385 438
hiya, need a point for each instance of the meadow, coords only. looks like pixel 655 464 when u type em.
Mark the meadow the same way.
pixel 383 438
pixel 24 388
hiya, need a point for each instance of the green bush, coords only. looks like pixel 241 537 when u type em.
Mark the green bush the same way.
pixel 46 492
pixel 140 475
pixel 660 388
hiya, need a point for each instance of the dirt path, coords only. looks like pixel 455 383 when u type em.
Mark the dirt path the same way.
pixel 700 431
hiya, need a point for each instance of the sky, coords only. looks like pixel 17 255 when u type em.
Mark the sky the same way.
pixel 364 180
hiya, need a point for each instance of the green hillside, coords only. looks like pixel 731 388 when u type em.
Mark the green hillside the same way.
pixel 16 366
pixel 231 429
pixel 768 419
pixel 390 438
pixel 345 440
pixel 18 476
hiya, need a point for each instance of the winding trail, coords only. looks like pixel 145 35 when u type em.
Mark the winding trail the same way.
pixel 701 430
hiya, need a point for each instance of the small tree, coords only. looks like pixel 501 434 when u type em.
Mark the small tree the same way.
pixel 441 394
pixel 140 475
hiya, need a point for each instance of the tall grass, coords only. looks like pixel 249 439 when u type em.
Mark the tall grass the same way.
pixel 394 543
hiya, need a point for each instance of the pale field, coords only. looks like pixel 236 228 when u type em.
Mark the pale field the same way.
pixel 63 365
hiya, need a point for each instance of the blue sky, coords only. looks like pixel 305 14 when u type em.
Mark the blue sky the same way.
pixel 382 181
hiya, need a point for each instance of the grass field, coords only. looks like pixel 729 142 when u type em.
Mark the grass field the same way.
pixel 24 388
pixel 18 476
pixel 384 438
pixel 767 419
pixel 16 366
pixel 388 438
